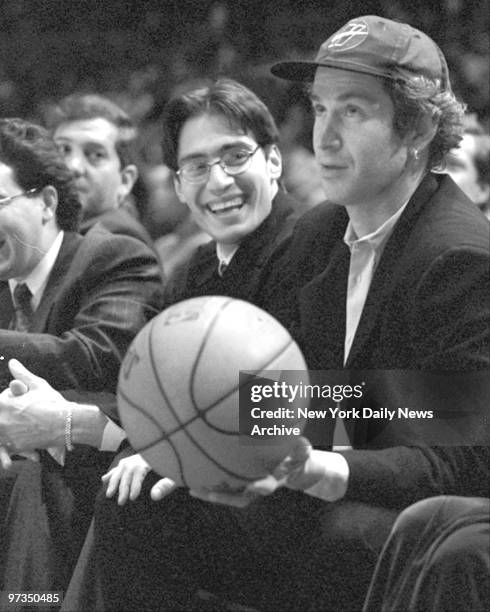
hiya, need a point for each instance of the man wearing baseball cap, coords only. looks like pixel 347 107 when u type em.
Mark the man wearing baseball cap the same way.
pixel 390 278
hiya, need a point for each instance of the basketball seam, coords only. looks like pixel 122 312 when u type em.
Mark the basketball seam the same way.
pixel 204 341
pixel 164 436
pixel 256 372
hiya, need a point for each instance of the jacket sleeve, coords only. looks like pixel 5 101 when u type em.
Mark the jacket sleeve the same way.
pixel 111 290
pixel 399 476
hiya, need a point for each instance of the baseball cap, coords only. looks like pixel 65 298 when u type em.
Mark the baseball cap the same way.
pixel 377 46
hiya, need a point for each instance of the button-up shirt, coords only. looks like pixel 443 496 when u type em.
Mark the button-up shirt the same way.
pixel 365 254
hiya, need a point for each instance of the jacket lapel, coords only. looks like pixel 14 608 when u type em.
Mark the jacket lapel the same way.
pixel 323 310
pixel 56 280
pixel 6 305
pixel 390 267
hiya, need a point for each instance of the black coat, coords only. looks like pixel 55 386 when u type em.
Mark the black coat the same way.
pixel 247 273
pixel 422 338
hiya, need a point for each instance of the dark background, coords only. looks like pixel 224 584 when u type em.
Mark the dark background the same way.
pixel 138 51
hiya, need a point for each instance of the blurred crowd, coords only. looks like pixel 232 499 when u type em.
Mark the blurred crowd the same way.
pixel 240 41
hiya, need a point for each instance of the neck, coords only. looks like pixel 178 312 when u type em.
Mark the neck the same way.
pixel 50 233
pixel 366 217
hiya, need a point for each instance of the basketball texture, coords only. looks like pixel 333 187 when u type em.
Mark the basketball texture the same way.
pixel 179 385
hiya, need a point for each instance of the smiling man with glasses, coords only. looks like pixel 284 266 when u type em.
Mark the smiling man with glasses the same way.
pixel 220 142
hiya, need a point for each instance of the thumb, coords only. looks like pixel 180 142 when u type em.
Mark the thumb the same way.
pixel 22 374
pixel 17 387
pixel 162 488
pixel 295 460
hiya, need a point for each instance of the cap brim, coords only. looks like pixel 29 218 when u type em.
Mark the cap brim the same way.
pixel 295 71
pixel 305 71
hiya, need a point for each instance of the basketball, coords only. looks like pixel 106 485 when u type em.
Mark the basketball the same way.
pixel 179 389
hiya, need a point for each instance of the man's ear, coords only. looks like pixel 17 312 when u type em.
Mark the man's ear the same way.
pixel 423 134
pixel 50 202
pixel 178 188
pixel 129 174
pixel 274 161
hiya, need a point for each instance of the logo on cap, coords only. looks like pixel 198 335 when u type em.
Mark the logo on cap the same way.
pixel 351 35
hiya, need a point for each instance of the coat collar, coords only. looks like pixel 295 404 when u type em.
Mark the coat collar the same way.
pixel 251 251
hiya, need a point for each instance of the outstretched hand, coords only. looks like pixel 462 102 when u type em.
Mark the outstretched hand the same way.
pixel 32 413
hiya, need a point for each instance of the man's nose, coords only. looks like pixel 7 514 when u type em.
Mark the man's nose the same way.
pixel 75 162
pixel 218 179
pixel 328 135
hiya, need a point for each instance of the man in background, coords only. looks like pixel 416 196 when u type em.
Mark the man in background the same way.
pixel 469 164
pixel 97 141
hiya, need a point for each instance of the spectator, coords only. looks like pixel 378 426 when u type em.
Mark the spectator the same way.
pixel 469 164
pixel 96 139
pixel 89 296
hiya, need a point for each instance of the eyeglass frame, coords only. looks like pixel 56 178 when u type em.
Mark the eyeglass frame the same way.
pixel 6 201
pixel 219 161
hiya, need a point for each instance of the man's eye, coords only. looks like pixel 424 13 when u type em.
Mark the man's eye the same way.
pixel 318 109
pixel 198 166
pixel 64 149
pixel 95 156
pixel 236 157
pixel 352 111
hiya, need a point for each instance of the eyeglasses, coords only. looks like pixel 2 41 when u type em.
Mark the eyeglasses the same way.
pixel 6 201
pixel 233 161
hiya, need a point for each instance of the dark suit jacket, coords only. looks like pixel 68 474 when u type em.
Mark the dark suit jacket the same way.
pixel 102 290
pixel 118 221
pixel 245 276
pixel 426 314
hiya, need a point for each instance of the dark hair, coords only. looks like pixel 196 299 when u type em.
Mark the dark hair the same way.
pixel 418 97
pixel 92 106
pixel 224 97
pixel 33 155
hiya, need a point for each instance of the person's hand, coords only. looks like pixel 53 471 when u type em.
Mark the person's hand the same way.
pixel 127 478
pixel 16 388
pixel 322 474
pixel 32 413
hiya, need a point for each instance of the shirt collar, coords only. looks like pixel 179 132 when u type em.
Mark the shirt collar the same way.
pixel 225 255
pixel 38 278
pixel 377 239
